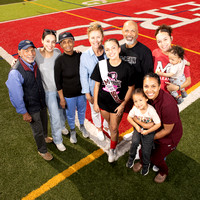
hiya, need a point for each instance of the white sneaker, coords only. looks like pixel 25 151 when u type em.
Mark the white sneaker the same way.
pixel 155 168
pixel 100 135
pixel 73 139
pixel 65 131
pixel 84 132
pixel 61 147
pixel 107 131
pixel 112 155
pixel 128 136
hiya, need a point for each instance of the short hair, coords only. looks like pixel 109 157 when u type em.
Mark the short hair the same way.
pixel 177 50
pixel 139 91
pixel 164 28
pixel 152 75
pixel 112 40
pixel 95 26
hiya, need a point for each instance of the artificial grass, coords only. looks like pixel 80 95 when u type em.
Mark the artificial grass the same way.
pixel 39 7
pixel 23 170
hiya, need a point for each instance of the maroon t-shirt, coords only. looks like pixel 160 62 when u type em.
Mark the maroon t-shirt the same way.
pixel 168 112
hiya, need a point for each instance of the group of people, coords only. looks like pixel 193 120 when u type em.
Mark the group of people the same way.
pixel 107 76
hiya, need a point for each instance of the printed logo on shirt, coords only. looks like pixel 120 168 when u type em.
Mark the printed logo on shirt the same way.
pixel 131 60
pixel 166 69
pixel 116 83
pixel 144 119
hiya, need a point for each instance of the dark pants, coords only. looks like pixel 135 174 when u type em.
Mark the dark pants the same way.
pixel 39 129
pixel 158 156
pixel 147 144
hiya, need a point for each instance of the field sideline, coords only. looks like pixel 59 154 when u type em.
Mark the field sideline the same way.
pixel 82 172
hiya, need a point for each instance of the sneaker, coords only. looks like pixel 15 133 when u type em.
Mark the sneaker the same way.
pixel 128 136
pixel 180 100
pixel 155 168
pixel 112 155
pixel 145 170
pixel 137 167
pixel 159 178
pixel 100 135
pixel 48 139
pixel 84 132
pixel 47 156
pixel 65 131
pixel 107 130
pixel 130 162
pixel 184 94
pixel 73 139
pixel 61 147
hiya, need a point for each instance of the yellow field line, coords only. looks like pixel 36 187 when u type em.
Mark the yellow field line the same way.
pixel 97 20
pixel 63 175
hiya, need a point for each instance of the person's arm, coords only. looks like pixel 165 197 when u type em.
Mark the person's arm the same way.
pixel 119 110
pixel 165 74
pixel 62 99
pixel 167 128
pixel 134 124
pixel 171 87
pixel 153 128
pixel 96 91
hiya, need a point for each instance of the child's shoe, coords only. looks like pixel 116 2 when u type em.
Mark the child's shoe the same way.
pixel 184 94
pixel 179 100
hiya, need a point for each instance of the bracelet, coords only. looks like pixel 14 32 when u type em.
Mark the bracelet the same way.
pixel 179 87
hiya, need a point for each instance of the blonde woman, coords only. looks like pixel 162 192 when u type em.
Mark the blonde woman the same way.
pixel 88 61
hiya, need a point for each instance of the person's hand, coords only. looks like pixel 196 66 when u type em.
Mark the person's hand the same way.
pixel 96 108
pixel 159 73
pixel 138 128
pixel 171 87
pixel 27 117
pixel 62 103
pixel 144 132
pixel 119 110
pixel 13 62
pixel 90 98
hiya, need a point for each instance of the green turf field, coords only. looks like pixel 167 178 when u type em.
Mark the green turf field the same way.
pixel 22 170
pixel 25 9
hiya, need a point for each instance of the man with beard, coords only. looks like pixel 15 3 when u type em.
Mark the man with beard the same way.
pixel 136 53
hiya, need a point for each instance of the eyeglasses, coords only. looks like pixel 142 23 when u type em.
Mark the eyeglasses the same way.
pixel 49 31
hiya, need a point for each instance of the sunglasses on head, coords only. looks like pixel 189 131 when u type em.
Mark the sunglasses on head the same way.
pixel 98 26
pixel 49 31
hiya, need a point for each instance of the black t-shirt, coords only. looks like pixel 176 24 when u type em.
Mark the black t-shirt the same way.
pixel 140 57
pixel 121 77
pixel 66 71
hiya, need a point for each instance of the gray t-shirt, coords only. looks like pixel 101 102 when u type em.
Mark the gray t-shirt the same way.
pixel 46 66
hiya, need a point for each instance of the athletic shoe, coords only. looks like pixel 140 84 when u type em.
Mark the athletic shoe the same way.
pixel 65 131
pixel 137 167
pixel 73 139
pixel 184 94
pixel 48 139
pixel 84 132
pixel 107 130
pixel 112 155
pixel 61 147
pixel 47 156
pixel 100 135
pixel 180 100
pixel 159 178
pixel 145 170
pixel 128 136
pixel 155 168
pixel 130 162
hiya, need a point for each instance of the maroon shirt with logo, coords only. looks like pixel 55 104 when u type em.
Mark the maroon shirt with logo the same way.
pixel 168 112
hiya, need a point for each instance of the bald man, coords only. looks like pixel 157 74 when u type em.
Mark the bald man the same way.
pixel 136 53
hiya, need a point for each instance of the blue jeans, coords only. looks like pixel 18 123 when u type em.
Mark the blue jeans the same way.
pixel 74 103
pixel 57 115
